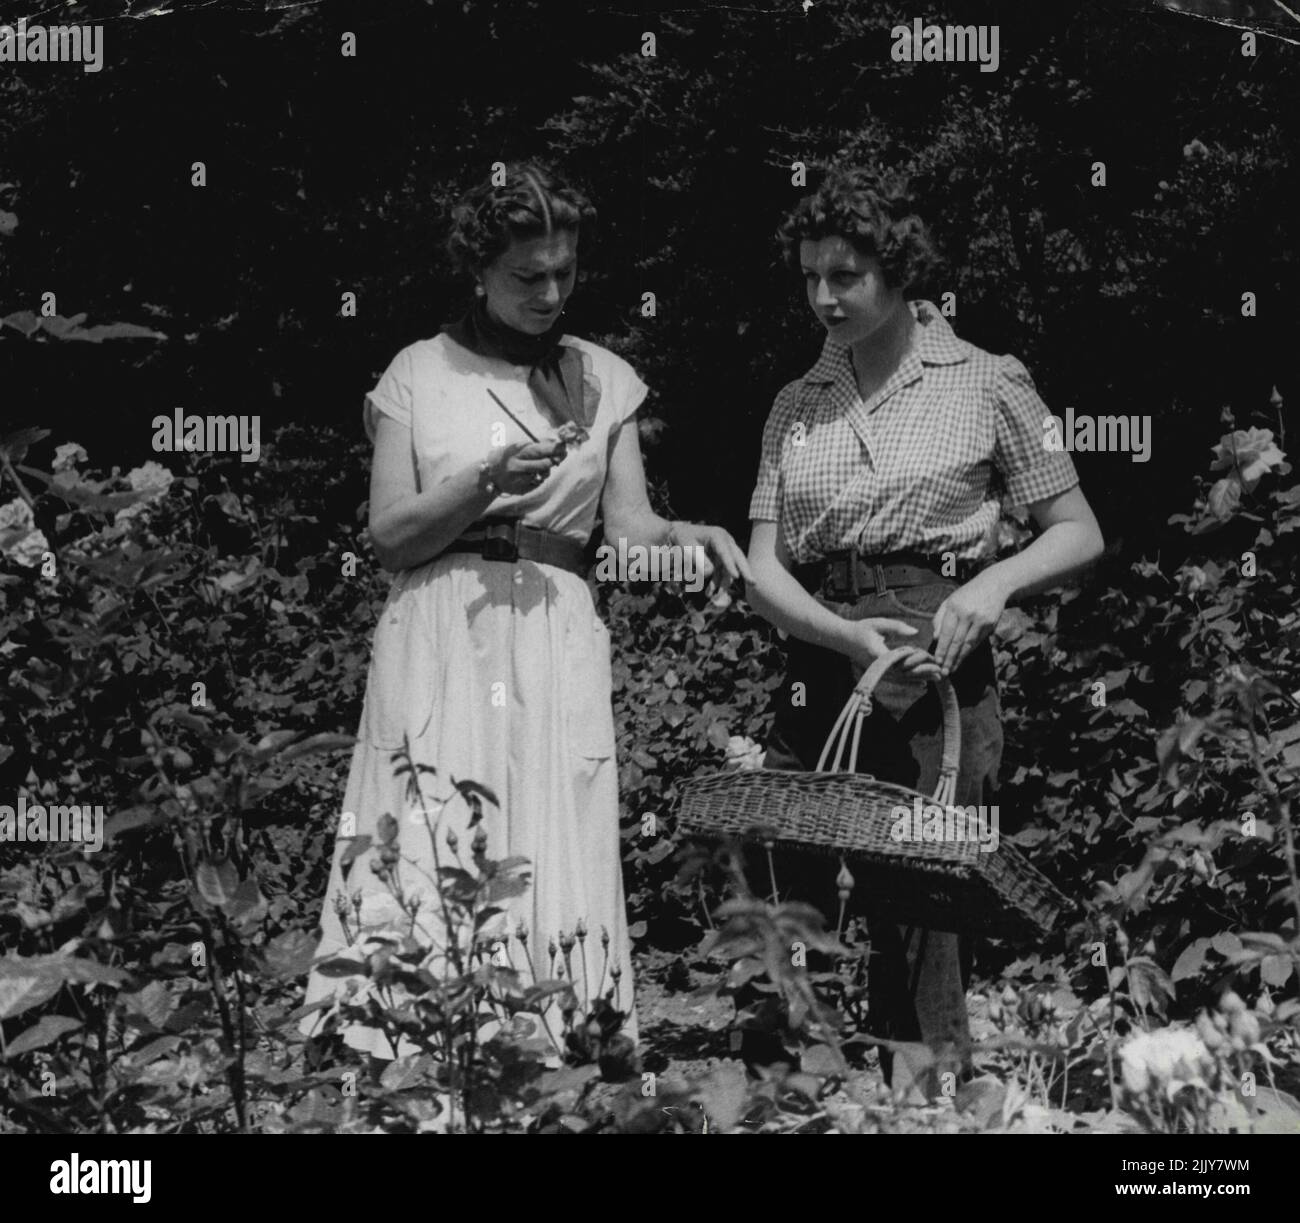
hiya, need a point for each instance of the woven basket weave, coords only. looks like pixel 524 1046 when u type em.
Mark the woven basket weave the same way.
pixel 947 884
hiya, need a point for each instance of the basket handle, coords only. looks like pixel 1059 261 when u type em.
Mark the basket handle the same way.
pixel 848 726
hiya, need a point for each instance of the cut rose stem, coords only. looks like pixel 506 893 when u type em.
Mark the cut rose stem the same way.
pixel 532 436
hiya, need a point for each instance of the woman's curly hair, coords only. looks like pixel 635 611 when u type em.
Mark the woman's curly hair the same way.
pixel 533 201
pixel 874 213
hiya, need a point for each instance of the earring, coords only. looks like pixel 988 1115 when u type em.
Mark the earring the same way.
pixel 479 290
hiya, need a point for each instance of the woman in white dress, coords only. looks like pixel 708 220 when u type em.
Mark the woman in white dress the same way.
pixel 489 656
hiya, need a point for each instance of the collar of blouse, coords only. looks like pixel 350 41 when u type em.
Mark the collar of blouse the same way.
pixel 937 345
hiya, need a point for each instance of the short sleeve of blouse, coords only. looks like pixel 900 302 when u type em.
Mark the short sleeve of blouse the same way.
pixel 1030 471
pixel 628 391
pixel 393 394
pixel 765 504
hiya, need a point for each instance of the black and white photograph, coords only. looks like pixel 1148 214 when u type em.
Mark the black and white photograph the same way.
pixel 628 568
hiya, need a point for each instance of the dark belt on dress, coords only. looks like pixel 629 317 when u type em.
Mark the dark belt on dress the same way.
pixel 849 575
pixel 511 540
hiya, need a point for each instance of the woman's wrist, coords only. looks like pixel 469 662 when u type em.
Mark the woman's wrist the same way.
pixel 839 634
pixel 1000 576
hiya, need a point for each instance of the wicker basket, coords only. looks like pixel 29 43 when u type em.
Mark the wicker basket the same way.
pixel 947 884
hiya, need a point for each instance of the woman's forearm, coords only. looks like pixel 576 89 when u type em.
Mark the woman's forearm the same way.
pixel 646 530
pixel 418 527
pixel 778 597
pixel 1056 555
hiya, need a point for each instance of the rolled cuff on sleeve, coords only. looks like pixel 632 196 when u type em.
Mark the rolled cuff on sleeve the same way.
pixel 1049 479
pixel 1030 471
pixel 392 395
pixel 765 504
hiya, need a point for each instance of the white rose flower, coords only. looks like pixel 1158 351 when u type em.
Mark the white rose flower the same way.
pixel 16 514
pixel 1192 1060
pixel 68 456
pixel 1161 1055
pixel 150 475
pixel 152 478
pixel 1172 1058
pixel 744 754
pixel 29 550
pixel 1133 1066
pixel 383 917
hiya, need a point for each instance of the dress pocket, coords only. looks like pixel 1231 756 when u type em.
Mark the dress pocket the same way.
pixel 587 690
pixel 920 601
pixel 400 688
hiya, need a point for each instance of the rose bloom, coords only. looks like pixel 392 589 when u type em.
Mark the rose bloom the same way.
pixel 383 917
pixel 67 456
pixel 744 754
pixel 149 475
pixel 1174 1057
pixel 29 550
pixel 27 544
pixel 16 513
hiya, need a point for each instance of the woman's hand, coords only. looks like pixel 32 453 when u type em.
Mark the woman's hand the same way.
pixel 720 549
pixel 523 466
pixel 965 619
pixel 868 644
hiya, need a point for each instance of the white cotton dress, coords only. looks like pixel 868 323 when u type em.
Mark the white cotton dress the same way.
pixel 500 674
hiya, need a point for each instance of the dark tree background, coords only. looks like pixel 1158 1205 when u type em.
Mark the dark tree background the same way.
pixel 329 174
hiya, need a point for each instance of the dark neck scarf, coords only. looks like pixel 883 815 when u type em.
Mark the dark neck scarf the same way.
pixel 554 369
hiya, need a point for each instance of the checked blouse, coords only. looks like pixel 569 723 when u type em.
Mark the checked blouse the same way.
pixel 924 465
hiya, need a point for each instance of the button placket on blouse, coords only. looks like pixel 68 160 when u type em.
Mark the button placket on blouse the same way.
pixel 859 412
pixel 904 376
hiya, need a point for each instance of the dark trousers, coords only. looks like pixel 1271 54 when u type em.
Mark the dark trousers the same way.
pixel 916 978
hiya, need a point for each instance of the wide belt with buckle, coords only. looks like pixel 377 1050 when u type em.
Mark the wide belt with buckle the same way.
pixel 511 540
pixel 848 575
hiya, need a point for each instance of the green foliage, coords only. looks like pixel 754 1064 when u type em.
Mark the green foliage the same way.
pixel 154 983
pixel 688 675
pixel 189 647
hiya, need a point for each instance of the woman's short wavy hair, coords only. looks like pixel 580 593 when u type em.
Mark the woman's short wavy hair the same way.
pixel 532 202
pixel 874 213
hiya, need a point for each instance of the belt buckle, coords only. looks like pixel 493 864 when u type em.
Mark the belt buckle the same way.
pixel 841 575
pixel 501 542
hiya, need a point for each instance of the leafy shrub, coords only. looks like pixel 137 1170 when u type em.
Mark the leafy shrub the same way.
pixel 182 648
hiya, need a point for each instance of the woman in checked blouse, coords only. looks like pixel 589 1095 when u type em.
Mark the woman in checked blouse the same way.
pixel 892 454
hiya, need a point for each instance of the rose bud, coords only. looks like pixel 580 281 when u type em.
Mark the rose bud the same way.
pixel 1135 1075
pixel 1245 1024
pixel 1231 1003
pixel 844 881
pixel 1206 1030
